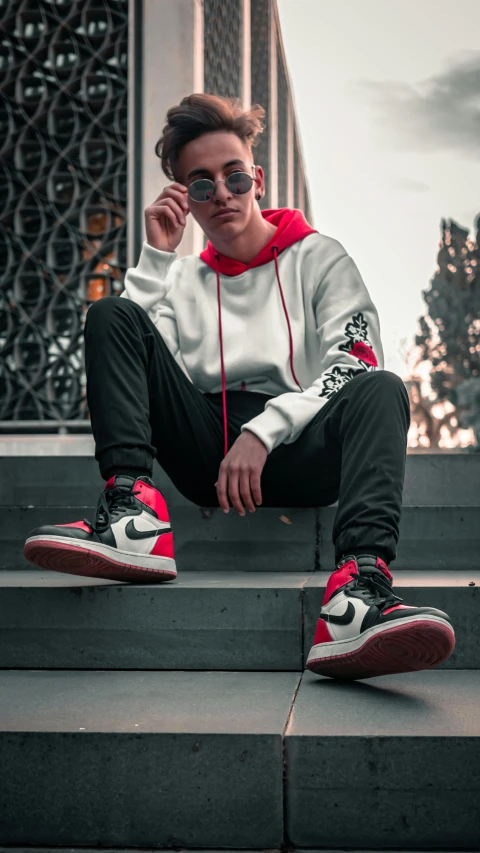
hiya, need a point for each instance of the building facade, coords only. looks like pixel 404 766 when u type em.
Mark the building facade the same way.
pixel 84 91
pixel 232 48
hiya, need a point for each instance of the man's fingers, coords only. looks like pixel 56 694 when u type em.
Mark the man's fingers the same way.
pixel 174 205
pixel 222 490
pixel 233 476
pixel 245 490
pixel 256 487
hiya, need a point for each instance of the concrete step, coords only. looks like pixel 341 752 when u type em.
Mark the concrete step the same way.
pixel 431 537
pixel 239 760
pixel 160 759
pixel 16 849
pixel 203 620
pixel 391 762
pixel 67 465
pixel 205 539
pixel 272 539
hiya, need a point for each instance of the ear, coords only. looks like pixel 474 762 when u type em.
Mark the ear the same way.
pixel 259 182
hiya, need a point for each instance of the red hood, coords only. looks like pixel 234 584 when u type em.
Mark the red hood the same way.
pixel 291 227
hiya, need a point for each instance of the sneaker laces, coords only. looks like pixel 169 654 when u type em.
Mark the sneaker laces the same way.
pixel 373 584
pixel 112 502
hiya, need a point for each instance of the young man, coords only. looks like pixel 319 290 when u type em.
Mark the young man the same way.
pixel 254 374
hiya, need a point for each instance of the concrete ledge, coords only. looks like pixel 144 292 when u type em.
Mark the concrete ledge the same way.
pixel 143 759
pixel 280 539
pixel 204 539
pixel 190 850
pixel 212 760
pixel 431 537
pixel 28 463
pixel 388 763
pixel 203 620
pixel 72 481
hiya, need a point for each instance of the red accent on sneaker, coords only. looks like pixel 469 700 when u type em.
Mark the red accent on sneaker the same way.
pixel 110 483
pixel 80 524
pixel 153 498
pixel 396 607
pixel 383 566
pixel 339 578
pixel 322 634
pixel 163 546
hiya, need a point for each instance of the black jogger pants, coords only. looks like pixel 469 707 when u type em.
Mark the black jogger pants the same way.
pixel 143 406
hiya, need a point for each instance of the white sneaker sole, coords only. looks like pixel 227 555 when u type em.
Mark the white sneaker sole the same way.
pixel 405 645
pixel 78 557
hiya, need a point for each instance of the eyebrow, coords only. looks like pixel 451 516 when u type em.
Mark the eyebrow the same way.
pixel 205 171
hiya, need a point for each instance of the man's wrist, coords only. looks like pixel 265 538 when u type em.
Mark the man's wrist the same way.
pixel 250 433
pixel 159 248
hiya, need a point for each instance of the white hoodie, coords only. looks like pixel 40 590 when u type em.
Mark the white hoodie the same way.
pixel 297 322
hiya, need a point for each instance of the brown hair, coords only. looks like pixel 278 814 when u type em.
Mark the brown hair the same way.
pixel 202 113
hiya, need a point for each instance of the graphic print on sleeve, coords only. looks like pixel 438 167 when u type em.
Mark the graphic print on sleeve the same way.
pixel 337 378
pixel 358 345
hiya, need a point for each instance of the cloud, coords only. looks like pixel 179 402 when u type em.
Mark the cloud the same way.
pixel 438 114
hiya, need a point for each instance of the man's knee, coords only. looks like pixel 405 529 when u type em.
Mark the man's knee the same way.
pixel 386 383
pixel 386 378
pixel 107 310
pixel 382 379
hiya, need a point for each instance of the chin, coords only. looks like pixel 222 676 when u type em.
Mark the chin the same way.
pixel 230 228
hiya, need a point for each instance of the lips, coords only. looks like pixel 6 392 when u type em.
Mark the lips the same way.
pixel 224 211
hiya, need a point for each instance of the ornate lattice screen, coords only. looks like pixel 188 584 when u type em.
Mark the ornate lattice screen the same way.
pixel 63 138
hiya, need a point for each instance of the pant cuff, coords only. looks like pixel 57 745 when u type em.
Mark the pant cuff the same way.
pixel 358 552
pixel 125 457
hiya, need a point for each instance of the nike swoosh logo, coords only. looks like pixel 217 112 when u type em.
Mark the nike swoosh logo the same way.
pixel 344 619
pixel 132 532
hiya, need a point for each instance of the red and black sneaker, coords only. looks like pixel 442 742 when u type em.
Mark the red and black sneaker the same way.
pixel 131 539
pixel 363 629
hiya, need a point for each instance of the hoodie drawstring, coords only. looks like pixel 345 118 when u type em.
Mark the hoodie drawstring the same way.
pixel 220 335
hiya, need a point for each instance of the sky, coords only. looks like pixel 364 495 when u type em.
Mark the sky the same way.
pixel 387 99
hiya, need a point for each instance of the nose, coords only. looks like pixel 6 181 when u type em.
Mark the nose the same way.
pixel 222 193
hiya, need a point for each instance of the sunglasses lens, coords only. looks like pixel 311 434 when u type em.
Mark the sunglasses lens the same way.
pixel 201 190
pixel 239 183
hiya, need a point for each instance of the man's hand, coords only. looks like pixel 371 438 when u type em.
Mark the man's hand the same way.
pixel 239 474
pixel 166 218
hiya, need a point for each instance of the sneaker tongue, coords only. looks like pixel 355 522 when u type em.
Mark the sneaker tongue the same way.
pixel 366 561
pixel 379 581
pixel 122 481
pixel 125 481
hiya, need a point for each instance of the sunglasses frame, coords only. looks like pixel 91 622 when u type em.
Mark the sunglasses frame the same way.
pixel 214 183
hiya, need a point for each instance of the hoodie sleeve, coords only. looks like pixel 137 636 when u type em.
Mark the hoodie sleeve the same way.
pixel 348 333
pixel 148 284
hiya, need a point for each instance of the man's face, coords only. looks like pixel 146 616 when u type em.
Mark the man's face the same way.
pixel 215 156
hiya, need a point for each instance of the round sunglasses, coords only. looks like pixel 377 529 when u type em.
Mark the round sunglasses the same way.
pixel 204 190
